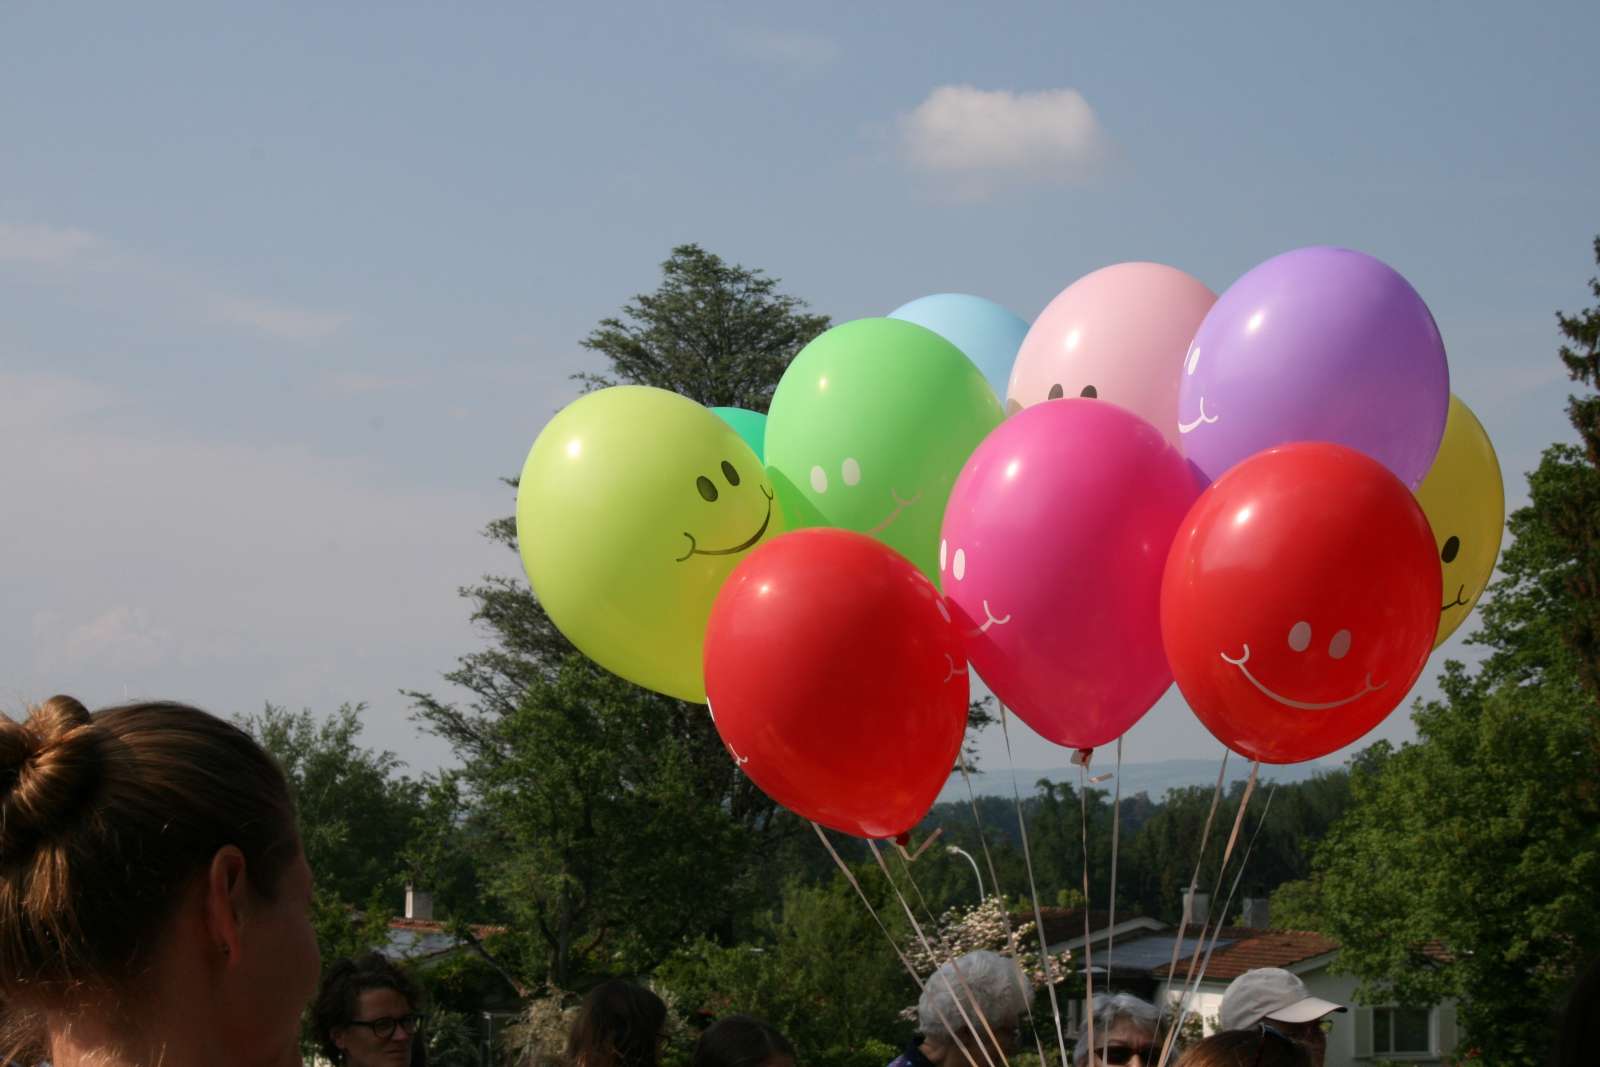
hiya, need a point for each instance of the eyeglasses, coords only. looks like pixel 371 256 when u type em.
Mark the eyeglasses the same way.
pixel 385 1027
pixel 1117 1055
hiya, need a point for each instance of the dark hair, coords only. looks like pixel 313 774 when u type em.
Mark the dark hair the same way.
pixel 1578 1030
pixel 343 985
pixel 1260 1046
pixel 103 819
pixel 740 1041
pixel 619 1024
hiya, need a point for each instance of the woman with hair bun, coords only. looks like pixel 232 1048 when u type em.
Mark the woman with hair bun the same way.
pixel 154 899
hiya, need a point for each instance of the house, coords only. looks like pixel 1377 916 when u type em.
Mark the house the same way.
pixel 1145 957
pixel 419 940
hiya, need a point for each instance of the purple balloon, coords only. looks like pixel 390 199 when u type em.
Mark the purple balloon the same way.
pixel 1318 344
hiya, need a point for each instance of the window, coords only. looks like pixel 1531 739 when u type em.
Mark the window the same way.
pixel 1400 1030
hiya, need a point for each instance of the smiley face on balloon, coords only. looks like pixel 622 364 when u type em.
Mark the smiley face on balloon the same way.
pixel 1464 499
pixel 1299 601
pixel 633 507
pixel 869 428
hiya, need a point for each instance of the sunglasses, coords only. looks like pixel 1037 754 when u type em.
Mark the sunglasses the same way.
pixel 1117 1055
pixel 387 1025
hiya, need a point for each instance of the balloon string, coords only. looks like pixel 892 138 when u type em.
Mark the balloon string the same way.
pixel 1227 908
pixel 1116 828
pixel 1005 910
pixel 915 977
pixel 1191 983
pixel 1088 955
pixel 1033 889
pixel 1194 882
pixel 877 854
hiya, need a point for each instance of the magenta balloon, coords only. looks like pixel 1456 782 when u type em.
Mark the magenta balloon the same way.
pixel 1318 344
pixel 1052 551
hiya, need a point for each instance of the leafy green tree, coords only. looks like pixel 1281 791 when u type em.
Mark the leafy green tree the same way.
pixel 1467 864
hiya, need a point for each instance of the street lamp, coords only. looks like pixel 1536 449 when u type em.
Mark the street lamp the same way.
pixel 959 851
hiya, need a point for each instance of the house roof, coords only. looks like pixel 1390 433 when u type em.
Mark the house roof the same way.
pixel 1241 949
pixel 420 939
pixel 1066 924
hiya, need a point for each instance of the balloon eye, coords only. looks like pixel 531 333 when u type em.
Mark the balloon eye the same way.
pixel 1300 636
pixel 819 479
pixel 1339 647
pixel 729 473
pixel 1056 392
pixel 850 471
pixel 944 547
pixel 707 490
pixel 1452 545
pixel 1091 392
pixel 958 566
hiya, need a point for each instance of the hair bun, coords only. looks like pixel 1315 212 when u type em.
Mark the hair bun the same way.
pixel 49 766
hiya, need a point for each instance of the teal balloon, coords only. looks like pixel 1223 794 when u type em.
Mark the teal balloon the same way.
pixel 750 425
pixel 869 427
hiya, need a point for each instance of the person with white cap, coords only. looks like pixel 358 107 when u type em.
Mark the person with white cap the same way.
pixel 1274 997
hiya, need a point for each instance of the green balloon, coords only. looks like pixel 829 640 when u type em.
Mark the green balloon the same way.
pixel 750 425
pixel 633 507
pixel 869 428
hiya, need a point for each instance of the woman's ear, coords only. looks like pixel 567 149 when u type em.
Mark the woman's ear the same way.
pixel 226 898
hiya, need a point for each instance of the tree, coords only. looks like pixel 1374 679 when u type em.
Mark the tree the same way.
pixel 562 761
pixel 1467 864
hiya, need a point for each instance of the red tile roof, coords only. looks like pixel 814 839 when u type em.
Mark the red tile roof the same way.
pixel 433 926
pixel 1251 948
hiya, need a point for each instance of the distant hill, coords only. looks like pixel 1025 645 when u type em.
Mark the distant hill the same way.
pixel 1152 778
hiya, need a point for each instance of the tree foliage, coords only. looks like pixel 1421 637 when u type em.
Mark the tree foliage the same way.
pixel 1468 862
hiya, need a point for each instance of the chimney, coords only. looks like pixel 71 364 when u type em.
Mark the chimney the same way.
pixel 419 905
pixel 1197 906
pixel 1256 915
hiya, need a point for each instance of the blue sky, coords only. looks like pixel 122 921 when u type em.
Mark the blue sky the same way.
pixel 284 289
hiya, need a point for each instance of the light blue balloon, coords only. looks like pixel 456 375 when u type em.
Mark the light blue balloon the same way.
pixel 987 333
pixel 750 425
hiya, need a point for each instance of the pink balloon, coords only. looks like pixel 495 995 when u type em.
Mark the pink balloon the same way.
pixel 1054 543
pixel 1119 334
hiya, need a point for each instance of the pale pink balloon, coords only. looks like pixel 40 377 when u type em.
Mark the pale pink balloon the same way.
pixel 1119 334
pixel 1053 546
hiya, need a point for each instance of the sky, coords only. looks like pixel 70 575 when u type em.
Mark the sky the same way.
pixel 286 289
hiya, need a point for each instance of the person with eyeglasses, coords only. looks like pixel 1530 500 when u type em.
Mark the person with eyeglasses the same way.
pixel 1264 1046
pixel 1280 999
pixel 367 1015
pixel 991 991
pixel 1127 1033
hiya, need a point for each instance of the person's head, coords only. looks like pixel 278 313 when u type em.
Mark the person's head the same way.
pixel 1578 1030
pixel 740 1041
pixel 1274 996
pixel 985 985
pixel 1126 1032
pixel 153 893
pixel 619 1024
pixel 1264 1046
pixel 368 1013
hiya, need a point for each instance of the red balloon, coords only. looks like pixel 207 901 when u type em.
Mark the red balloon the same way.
pixel 1299 601
pixel 837 680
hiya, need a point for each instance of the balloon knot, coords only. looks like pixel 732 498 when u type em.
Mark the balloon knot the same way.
pixel 903 839
pixel 1082 757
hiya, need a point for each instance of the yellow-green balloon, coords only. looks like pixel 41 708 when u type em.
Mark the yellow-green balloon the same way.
pixel 869 427
pixel 1465 502
pixel 633 507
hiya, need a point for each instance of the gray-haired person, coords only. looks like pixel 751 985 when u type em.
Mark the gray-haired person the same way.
pixel 1127 1033
pixel 989 988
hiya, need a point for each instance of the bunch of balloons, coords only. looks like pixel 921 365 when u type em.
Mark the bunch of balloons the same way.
pixel 1270 497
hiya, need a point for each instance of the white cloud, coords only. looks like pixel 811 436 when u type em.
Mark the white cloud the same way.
pixel 985 138
pixel 109 272
pixel 46 245
pixel 119 638
pixel 795 50
pixel 277 320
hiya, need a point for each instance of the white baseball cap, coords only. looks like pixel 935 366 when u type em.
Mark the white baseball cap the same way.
pixel 1271 993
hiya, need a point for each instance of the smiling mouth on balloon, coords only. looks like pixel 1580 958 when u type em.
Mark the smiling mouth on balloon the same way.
pixel 1187 427
pixel 695 550
pixel 899 506
pixel 1300 705
pixel 988 621
pixel 1460 601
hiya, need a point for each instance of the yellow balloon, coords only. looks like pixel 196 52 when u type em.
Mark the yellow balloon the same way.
pixel 633 507
pixel 1465 502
